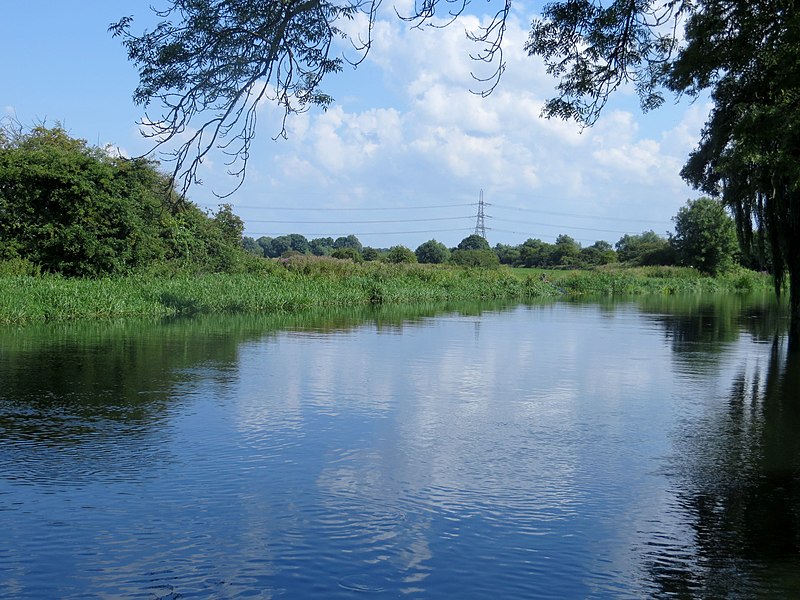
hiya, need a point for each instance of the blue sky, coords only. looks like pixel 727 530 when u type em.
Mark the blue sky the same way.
pixel 404 137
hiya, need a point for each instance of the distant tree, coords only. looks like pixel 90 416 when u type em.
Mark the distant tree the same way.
pixel 265 243
pixel 321 246
pixel 507 255
pixel 279 246
pixel 349 241
pixel 251 246
pixel 646 249
pixel 230 225
pixel 369 254
pixel 599 253
pixel 484 258
pixel 299 243
pixel 432 252
pixel 705 236
pixel 400 254
pixel 347 253
pixel 536 253
pixel 474 242
pixel 566 251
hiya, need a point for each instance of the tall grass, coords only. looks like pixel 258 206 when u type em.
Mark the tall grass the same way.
pixel 304 282
pixel 297 285
pixel 617 281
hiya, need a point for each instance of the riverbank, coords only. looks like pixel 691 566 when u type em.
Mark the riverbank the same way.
pixel 304 283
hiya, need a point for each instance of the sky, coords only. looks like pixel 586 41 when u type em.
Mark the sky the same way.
pixel 406 150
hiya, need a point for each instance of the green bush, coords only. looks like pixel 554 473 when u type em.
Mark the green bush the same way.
pixel 400 254
pixel 72 209
pixel 485 259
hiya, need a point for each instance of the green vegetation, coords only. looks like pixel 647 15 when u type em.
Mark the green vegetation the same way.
pixel 302 282
pixel 296 283
pixel 432 252
pixel 705 236
pixel 72 209
pixel 621 281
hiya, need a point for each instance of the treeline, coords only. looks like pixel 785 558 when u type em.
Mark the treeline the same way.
pixel 646 249
pixel 704 238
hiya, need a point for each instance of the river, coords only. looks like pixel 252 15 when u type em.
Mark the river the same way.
pixel 626 449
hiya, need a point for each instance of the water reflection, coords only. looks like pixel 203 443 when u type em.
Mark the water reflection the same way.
pixel 736 476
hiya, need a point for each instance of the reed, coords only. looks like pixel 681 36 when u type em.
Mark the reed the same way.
pixel 305 282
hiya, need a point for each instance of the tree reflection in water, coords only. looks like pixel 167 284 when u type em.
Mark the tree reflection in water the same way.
pixel 737 476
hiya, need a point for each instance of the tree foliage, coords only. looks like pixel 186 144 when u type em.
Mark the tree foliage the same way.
pixel 74 209
pixel 474 242
pixel 432 252
pixel 647 248
pixel 705 236
pixel 484 258
pixel 400 255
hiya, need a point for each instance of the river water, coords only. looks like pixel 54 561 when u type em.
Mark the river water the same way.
pixel 629 449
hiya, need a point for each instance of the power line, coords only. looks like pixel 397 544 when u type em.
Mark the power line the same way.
pixel 329 234
pixel 296 208
pixel 359 222
pixel 560 214
pixel 561 226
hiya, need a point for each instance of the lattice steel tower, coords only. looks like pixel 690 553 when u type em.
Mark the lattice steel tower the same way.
pixel 480 224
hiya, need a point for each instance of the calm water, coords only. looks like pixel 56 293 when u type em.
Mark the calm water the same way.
pixel 627 450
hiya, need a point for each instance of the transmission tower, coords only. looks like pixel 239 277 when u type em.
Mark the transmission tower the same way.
pixel 480 223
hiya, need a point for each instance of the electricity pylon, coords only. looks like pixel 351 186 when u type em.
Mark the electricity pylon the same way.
pixel 480 224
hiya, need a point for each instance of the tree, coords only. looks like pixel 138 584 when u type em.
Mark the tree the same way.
pixel 74 209
pixel 599 253
pixel 370 254
pixel 432 252
pixel 536 253
pixel 745 53
pixel 349 241
pixel 648 248
pixel 475 258
pixel 347 253
pixel 705 236
pixel 400 254
pixel 251 246
pixel 321 246
pixel 566 251
pixel 507 255
pixel 230 224
pixel 474 242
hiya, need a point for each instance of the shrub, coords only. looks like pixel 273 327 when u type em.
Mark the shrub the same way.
pixel 486 259
pixel 400 254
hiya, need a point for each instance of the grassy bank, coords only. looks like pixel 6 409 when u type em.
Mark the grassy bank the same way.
pixel 312 282
pixel 288 287
pixel 619 281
